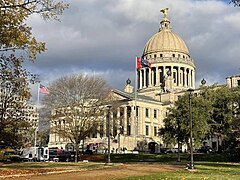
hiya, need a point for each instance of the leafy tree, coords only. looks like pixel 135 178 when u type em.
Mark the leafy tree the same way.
pixel 226 103
pixel 14 93
pixel 15 34
pixel 221 98
pixel 76 102
pixel 235 2
pixel 215 113
pixel 179 116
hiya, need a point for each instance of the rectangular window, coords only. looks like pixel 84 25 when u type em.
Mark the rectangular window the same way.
pixel 155 113
pixel 147 130
pixel 155 131
pixel 147 112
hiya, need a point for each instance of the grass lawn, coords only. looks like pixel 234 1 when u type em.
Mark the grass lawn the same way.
pixel 207 166
pixel 203 170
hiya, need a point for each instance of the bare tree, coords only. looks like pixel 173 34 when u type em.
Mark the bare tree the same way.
pixel 77 104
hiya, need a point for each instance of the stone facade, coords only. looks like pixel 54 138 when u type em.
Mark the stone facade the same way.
pixel 233 81
pixel 172 72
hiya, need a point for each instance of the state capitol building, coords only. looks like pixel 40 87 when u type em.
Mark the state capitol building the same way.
pixel 172 73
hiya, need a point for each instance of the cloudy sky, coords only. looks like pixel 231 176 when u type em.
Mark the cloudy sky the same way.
pixel 102 37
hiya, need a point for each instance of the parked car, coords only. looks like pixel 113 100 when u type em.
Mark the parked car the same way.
pixel 173 150
pixel 59 154
pixel 73 154
pixel 205 149
pixel 9 154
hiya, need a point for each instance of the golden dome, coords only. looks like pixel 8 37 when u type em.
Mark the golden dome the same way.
pixel 165 41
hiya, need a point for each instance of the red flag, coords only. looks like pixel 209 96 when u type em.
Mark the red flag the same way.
pixel 43 89
pixel 142 63
pixel 138 62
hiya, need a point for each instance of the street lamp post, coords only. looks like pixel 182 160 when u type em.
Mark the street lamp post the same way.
pixel 190 92
pixel 108 120
pixel 178 122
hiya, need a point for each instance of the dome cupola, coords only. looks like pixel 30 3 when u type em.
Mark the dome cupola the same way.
pixel 165 40
pixel 172 69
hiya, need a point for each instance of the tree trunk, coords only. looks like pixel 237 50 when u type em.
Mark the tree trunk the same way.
pixel 83 146
pixel 77 151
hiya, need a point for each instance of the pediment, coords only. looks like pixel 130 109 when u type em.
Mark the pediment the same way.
pixel 116 95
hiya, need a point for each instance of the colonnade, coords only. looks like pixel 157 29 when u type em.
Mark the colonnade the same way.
pixel 122 121
pixel 182 76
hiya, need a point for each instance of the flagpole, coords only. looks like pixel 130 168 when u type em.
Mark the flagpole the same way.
pixel 35 133
pixel 38 92
pixel 135 99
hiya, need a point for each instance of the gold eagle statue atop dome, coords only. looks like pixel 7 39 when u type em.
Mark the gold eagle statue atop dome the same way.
pixel 165 12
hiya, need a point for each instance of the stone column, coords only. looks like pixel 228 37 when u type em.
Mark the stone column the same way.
pixel 132 121
pixel 150 78
pixel 140 79
pixel 185 77
pixel 118 120
pixel 144 78
pixel 125 120
pixel 193 77
pixel 180 77
pixel 189 75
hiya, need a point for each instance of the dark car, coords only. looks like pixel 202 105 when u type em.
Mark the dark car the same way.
pixel 73 154
pixel 205 149
pixel 59 154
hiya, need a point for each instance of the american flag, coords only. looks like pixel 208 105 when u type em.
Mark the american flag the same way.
pixel 43 89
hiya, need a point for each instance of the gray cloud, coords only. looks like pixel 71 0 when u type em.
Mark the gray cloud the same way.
pixel 103 37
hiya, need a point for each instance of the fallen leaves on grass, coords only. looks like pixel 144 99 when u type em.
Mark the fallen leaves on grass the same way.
pixel 6 172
